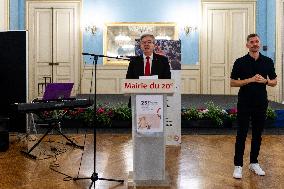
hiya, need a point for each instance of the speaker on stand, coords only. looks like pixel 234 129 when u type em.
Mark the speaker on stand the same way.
pixel 13 77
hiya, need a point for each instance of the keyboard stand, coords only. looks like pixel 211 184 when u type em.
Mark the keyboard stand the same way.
pixel 54 125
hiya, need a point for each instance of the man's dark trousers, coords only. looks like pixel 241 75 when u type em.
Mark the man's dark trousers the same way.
pixel 257 116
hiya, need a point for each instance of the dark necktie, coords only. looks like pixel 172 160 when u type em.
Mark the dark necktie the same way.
pixel 147 66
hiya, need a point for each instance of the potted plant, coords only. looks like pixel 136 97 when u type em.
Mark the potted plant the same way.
pixel 118 115
pixel 270 117
pixel 215 113
pixel 210 116
pixel 191 117
pixel 230 118
pixel 122 116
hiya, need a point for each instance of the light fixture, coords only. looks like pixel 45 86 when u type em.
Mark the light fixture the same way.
pixel 92 29
pixel 141 29
pixel 128 46
pixel 189 29
pixel 122 39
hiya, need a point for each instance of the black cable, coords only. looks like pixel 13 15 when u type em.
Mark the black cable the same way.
pixel 91 87
pixel 68 177
pixel 55 150
pixel 82 155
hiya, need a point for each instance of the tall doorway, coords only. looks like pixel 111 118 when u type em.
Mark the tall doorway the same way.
pixel 225 26
pixel 54 44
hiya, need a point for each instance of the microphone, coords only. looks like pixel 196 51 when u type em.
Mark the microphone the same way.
pixel 88 54
pixel 117 57
pixel 127 57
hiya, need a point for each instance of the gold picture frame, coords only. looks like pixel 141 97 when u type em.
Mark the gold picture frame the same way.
pixel 119 38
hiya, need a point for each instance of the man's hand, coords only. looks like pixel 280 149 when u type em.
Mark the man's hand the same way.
pixel 238 83
pixel 260 79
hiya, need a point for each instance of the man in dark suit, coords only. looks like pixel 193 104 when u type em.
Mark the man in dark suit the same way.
pixel 149 63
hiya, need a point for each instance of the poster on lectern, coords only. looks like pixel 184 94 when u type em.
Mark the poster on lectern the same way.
pixel 149 113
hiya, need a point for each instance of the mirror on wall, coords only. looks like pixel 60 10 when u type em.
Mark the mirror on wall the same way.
pixel 119 38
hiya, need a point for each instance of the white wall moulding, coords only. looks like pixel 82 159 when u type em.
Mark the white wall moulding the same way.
pixel 4 15
pixel 109 79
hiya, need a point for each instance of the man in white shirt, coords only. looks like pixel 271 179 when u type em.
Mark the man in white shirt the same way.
pixel 149 63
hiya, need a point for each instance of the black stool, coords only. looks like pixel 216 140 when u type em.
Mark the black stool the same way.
pixel 4 134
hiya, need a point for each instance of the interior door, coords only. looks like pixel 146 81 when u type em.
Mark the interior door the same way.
pixel 54 45
pixel 224 30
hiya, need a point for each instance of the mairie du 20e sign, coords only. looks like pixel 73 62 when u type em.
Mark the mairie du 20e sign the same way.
pixel 146 85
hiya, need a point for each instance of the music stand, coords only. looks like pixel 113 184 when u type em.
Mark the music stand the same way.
pixel 54 92
pixel 57 91
pixel 94 177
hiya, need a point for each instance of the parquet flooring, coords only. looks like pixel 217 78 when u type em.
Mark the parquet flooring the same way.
pixel 201 162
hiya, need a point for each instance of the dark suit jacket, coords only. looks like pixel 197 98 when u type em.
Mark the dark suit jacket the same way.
pixel 160 66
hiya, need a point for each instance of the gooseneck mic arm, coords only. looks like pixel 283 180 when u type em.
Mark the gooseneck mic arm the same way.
pixel 99 55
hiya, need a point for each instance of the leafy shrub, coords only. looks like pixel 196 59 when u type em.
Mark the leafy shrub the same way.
pixel 105 114
pixel 122 112
pixel 214 113
pixel 190 114
pixel 271 114
pixel 211 112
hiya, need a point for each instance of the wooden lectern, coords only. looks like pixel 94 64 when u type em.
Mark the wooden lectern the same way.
pixel 148 104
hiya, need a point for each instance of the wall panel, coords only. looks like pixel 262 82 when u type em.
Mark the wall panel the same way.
pixel 109 79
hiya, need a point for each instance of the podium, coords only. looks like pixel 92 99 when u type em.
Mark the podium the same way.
pixel 148 104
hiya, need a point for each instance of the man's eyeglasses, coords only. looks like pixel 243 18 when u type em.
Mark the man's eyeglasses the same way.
pixel 147 42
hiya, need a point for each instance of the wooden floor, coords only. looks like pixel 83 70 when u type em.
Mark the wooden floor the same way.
pixel 202 162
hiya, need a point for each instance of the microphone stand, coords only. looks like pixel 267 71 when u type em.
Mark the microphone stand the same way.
pixel 94 177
